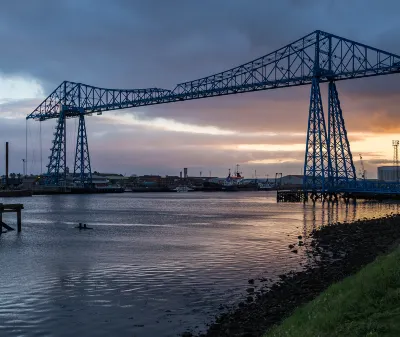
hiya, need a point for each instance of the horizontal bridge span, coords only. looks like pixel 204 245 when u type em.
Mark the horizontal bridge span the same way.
pixel 319 54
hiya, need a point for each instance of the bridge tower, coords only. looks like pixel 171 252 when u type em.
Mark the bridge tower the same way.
pixel 57 167
pixel 316 163
pixel 82 168
pixel 317 159
pixel 342 168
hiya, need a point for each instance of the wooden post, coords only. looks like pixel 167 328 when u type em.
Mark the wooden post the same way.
pixel 11 208
pixel 19 219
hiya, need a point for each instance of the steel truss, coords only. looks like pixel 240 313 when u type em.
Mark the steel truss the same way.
pixel 57 169
pixel 317 160
pixel 342 168
pixel 319 54
pixel 313 59
pixel 82 168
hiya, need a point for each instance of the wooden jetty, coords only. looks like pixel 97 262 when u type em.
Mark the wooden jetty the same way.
pixel 11 208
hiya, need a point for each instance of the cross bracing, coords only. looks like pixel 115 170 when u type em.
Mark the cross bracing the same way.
pixel 319 54
pixel 313 59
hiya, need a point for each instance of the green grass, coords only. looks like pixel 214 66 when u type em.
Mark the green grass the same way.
pixel 365 304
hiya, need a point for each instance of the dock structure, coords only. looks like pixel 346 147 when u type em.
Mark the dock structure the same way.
pixel 11 208
pixel 290 196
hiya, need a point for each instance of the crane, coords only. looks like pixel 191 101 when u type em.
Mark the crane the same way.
pixel 363 172
pixel 395 144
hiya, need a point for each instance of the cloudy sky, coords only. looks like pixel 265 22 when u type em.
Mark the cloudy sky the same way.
pixel 154 43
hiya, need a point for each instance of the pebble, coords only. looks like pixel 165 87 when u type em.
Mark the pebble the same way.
pixel 359 243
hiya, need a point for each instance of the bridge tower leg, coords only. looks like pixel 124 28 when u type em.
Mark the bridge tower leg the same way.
pixel 57 167
pixel 82 168
pixel 316 163
pixel 342 168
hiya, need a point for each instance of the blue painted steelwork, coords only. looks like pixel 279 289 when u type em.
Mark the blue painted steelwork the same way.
pixel 359 186
pixel 315 58
pixel 56 170
pixel 316 162
pixel 326 56
pixel 82 168
pixel 342 166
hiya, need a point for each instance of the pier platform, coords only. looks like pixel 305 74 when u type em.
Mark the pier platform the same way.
pixel 11 208
pixel 290 196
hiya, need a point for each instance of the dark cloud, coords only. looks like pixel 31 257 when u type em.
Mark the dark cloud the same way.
pixel 136 44
pixel 127 43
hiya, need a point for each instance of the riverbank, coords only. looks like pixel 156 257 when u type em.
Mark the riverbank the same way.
pixel 365 304
pixel 335 251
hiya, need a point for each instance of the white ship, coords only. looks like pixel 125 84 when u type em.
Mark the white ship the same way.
pixel 183 188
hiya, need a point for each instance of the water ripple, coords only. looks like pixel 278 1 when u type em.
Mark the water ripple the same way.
pixel 154 264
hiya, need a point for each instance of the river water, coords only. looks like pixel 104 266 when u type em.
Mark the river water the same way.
pixel 154 264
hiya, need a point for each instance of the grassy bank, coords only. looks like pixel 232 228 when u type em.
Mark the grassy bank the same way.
pixel 365 304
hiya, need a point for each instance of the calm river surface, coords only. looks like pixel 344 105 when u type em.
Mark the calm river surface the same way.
pixel 154 265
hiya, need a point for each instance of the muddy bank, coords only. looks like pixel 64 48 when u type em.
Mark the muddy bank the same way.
pixel 335 251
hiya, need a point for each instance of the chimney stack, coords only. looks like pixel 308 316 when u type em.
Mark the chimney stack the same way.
pixel 6 164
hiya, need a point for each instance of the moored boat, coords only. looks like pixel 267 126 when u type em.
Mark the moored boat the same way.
pixel 231 182
pixel 183 188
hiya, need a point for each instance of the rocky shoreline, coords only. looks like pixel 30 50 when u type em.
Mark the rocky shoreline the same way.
pixel 334 251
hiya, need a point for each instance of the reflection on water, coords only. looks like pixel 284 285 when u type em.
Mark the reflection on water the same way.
pixel 154 265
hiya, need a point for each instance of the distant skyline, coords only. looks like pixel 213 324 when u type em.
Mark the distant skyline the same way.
pixel 139 44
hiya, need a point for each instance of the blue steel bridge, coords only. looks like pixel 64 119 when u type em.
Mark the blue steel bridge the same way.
pixel 314 59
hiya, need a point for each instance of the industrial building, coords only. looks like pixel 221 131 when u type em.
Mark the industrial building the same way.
pixel 388 173
pixel 295 180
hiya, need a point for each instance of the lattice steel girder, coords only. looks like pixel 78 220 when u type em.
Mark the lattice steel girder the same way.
pixel 56 168
pixel 316 162
pixel 319 54
pixel 341 159
pixel 82 168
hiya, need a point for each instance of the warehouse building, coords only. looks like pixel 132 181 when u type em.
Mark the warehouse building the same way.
pixel 388 173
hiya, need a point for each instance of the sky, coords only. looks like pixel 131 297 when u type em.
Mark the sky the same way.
pixel 129 44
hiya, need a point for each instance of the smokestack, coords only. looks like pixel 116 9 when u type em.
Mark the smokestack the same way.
pixel 185 175
pixel 180 174
pixel 6 164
